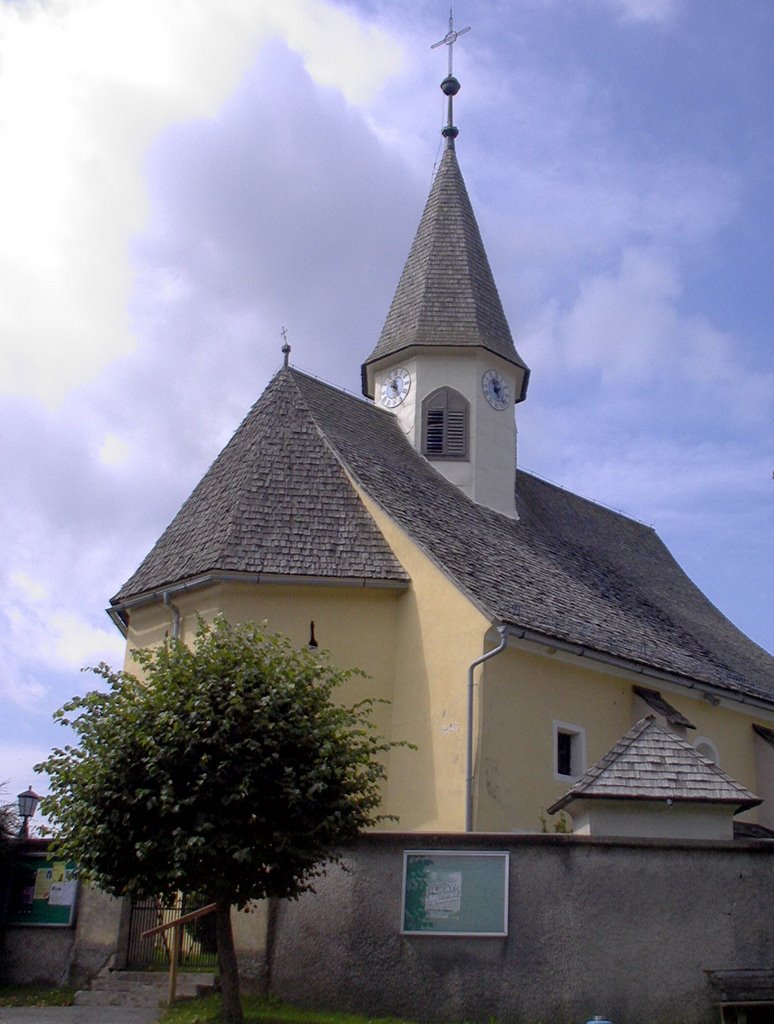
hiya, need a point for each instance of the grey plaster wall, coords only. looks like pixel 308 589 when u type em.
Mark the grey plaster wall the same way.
pixel 36 956
pixel 97 934
pixel 622 928
pixel 62 956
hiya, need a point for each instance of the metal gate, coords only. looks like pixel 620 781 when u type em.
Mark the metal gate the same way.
pixel 197 949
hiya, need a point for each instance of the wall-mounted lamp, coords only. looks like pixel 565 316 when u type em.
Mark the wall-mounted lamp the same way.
pixel 312 645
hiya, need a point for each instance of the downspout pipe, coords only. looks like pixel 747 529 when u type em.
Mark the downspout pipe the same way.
pixel 175 615
pixel 503 631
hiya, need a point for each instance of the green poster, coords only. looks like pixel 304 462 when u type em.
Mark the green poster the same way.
pixel 44 891
pixel 455 893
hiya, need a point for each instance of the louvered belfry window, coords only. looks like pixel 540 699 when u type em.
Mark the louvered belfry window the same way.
pixel 445 425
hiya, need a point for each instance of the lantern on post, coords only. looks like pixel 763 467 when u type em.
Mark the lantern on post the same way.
pixel 28 803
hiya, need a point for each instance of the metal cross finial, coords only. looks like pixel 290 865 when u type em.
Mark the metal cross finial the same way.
pixel 450 38
pixel 285 347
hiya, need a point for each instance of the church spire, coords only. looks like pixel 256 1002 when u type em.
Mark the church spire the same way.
pixel 446 297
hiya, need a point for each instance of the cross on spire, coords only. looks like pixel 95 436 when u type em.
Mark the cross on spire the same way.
pixel 450 38
pixel 450 86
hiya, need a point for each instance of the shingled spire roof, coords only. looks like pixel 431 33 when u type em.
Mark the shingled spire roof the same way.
pixel 446 295
pixel 652 763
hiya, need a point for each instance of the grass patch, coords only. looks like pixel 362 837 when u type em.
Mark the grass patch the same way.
pixel 35 995
pixel 262 1011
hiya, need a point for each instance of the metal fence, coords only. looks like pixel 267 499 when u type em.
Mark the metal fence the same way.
pixel 197 949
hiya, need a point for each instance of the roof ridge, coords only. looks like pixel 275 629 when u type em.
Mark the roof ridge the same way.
pixel 583 497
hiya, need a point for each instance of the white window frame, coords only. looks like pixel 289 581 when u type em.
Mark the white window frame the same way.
pixel 577 750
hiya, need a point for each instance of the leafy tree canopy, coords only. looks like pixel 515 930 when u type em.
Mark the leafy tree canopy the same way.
pixel 227 769
pixel 9 827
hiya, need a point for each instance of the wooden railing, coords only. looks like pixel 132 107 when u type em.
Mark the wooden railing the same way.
pixel 177 938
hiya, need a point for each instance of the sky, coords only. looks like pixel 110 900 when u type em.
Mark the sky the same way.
pixel 180 181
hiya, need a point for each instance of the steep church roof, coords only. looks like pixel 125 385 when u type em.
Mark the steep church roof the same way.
pixel 279 499
pixel 276 501
pixel 652 763
pixel 447 295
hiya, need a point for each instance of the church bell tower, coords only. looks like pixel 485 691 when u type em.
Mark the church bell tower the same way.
pixel 445 363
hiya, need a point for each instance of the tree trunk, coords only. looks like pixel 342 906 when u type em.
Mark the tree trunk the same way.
pixel 227 964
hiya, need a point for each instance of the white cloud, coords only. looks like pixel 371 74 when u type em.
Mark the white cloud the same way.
pixel 645 10
pixel 338 50
pixel 624 324
pixel 629 327
pixel 114 450
pixel 76 643
pixel 31 590
pixel 86 87
pixel 39 636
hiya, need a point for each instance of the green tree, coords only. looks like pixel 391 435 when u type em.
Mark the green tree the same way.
pixel 9 827
pixel 227 769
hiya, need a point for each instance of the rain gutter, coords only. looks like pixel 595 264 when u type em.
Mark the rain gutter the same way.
pixel 709 691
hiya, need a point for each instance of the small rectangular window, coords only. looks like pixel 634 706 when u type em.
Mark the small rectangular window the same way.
pixel 569 751
pixel 564 753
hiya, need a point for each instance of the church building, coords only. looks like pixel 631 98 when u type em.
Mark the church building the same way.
pixel 517 631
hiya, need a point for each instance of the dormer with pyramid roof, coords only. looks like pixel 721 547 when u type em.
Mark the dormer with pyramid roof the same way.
pixel 445 363
pixel 652 783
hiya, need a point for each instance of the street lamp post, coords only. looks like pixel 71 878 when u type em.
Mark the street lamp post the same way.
pixel 28 803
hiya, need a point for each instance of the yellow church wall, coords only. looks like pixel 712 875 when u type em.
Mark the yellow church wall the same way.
pixel 356 625
pixel 416 646
pixel 524 694
pixel 438 634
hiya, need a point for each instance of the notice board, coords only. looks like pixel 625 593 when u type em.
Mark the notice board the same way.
pixel 44 891
pixel 455 893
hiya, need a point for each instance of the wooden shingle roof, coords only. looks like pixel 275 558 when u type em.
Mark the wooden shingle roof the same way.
pixel 567 568
pixel 276 501
pixel 446 295
pixel 652 763
pixel 279 499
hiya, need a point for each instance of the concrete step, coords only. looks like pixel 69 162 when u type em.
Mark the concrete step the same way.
pixel 142 988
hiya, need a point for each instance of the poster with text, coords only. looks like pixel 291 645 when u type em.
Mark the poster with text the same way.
pixel 44 891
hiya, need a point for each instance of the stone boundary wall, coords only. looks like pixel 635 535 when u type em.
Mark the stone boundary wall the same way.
pixel 34 955
pixel 623 928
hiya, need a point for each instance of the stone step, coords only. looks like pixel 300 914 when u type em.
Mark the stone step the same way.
pixel 142 988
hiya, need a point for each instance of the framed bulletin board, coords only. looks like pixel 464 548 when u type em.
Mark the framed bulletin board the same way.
pixel 44 891
pixel 455 893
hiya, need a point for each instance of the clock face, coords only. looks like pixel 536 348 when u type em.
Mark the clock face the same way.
pixel 395 388
pixel 496 390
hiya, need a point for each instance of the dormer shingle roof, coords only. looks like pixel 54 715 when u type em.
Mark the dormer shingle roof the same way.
pixel 652 763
